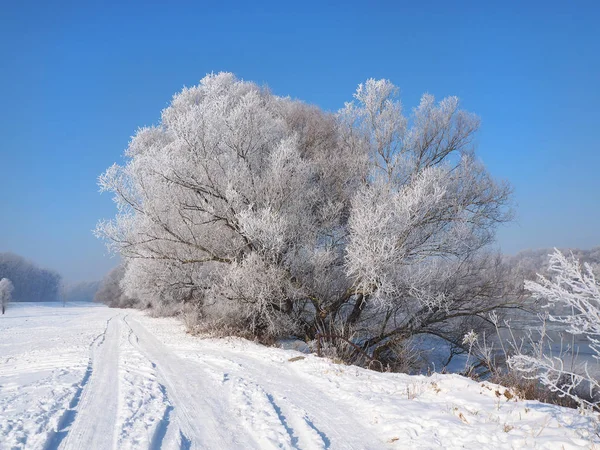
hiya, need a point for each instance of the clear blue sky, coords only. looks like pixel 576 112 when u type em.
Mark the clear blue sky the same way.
pixel 77 79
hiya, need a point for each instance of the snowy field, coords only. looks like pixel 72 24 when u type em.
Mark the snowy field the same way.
pixel 89 377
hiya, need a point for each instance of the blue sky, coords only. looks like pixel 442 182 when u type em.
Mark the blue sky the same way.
pixel 78 78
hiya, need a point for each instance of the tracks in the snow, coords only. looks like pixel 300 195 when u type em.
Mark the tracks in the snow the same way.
pixel 194 420
pixel 163 423
pixel 93 424
pixel 67 419
pixel 138 393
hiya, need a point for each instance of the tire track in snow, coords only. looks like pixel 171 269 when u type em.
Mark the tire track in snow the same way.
pixel 273 417
pixel 266 411
pixel 313 416
pixel 199 405
pixel 89 421
pixel 301 428
pixel 282 419
pixel 185 443
pixel 144 411
pixel 259 413
pixel 162 426
pixel 161 429
pixel 68 417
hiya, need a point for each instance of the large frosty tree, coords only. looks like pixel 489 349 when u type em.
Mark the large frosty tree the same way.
pixel 271 215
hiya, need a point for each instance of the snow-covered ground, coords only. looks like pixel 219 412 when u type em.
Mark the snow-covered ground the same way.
pixel 89 377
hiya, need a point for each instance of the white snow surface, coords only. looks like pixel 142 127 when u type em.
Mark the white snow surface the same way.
pixel 90 377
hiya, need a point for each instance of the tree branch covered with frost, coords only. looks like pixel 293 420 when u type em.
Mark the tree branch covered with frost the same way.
pixel 576 288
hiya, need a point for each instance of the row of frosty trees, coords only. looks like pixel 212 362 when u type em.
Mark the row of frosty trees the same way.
pixel 32 283
pixel 268 217
pixel 29 282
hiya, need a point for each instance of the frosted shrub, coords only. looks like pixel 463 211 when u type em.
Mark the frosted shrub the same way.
pixel 576 288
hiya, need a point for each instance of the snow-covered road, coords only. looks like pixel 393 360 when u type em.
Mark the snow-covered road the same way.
pixel 89 377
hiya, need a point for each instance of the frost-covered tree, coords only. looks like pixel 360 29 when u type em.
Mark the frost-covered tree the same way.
pixel 576 289
pixel 6 290
pixel 272 215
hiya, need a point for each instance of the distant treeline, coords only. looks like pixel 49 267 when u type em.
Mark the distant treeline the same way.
pixel 34 284
pixel 532 262
pixel 31 282
pixel 83 291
